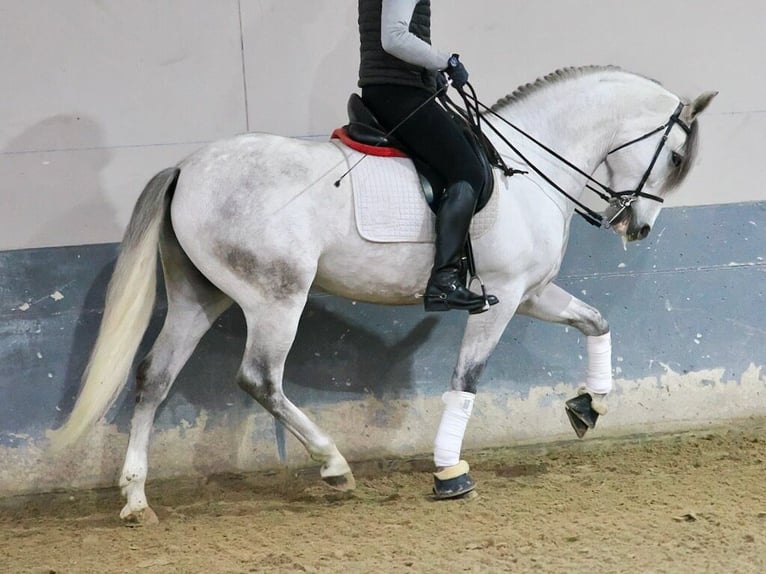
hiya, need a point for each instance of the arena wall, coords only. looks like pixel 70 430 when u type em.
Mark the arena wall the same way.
pixel 99 96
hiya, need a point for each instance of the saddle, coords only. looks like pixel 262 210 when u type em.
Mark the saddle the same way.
pixel 365 134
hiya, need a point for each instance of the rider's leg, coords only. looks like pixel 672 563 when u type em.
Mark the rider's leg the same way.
pixel 445 289
pixel 431 135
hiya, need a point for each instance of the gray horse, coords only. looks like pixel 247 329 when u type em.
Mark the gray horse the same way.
pixel 256 220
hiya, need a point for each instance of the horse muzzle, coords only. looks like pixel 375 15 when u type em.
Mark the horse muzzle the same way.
pixel 637 232
pixel 621 219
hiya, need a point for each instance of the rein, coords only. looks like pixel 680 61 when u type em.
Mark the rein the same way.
pixel 621 199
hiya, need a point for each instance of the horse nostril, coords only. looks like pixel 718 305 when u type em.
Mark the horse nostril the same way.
pixel 644 231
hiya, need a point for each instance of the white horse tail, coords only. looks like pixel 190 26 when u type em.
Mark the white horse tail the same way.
pixel 128 309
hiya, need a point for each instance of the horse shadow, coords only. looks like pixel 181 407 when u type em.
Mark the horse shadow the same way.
pixel 50 175
pixel 42 177
pixel 333 358
pixel 332 353
pixel 83 338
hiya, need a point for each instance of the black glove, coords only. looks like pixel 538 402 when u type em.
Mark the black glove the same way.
pixel 456 71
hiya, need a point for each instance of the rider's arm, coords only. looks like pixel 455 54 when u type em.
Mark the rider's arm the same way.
pixel 397 40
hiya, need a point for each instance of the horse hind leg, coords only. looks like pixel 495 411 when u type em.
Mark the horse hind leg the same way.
pixel 193 305
pixel 272 325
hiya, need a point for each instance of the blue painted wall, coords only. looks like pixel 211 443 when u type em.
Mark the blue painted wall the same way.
pixel 689 298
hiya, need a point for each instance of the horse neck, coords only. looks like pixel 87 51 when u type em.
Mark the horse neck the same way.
pixel 581 118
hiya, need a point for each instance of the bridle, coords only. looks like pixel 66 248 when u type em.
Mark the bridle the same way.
pixel 620 200
pixel 623 199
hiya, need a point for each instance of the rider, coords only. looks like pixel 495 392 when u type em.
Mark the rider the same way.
pixel 397 73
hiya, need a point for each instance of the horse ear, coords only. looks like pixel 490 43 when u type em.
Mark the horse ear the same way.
pixel 699 105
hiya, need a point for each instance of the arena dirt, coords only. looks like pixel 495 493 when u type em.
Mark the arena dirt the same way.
pixel 684 503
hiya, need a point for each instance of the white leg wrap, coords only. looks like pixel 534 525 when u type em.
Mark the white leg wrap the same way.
pixel 599 379
pixel 449 438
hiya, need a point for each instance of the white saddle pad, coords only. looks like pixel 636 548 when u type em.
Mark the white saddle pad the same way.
pixel 389 202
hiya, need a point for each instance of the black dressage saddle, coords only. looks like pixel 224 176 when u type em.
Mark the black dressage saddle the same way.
pixel 363 127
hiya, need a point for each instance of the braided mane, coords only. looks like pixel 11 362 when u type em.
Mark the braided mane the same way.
pixel 560 75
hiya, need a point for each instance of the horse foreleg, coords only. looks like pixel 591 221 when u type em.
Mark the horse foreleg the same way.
pixel 482 333
pixel 270 336
pixel 556 305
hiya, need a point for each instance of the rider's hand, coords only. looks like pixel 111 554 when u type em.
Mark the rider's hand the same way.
pixel 456 71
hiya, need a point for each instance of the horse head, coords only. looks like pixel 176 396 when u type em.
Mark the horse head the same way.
pixel 650 166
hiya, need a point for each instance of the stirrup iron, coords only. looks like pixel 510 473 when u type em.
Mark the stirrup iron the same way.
pixel 470 268
pixel 489 300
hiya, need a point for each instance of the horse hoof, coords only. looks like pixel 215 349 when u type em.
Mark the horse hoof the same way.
pixel 145 517
pixel 582 415
pixel 453 482
pixel 458 487
pixel 343 482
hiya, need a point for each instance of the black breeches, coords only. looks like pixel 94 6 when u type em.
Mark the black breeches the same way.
pixel 430 134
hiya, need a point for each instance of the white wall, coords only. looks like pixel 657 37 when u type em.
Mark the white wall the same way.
pixel 96 96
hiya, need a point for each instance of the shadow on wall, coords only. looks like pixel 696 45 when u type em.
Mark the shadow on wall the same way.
pixel 52 189
pixel 330 355
pixel 85 330
pixel 332 360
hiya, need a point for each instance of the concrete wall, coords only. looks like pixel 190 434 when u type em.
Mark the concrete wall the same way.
pixel 97 96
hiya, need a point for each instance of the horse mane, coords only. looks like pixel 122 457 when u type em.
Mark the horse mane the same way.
pixel 560 75
pixel 676 175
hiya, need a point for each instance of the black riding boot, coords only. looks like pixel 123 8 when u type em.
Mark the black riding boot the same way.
pixel 446 290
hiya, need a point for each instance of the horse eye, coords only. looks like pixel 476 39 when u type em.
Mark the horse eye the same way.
pixel 676 158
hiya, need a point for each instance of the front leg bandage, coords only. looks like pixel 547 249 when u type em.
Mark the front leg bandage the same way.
pixel 449 438
pixel 599 379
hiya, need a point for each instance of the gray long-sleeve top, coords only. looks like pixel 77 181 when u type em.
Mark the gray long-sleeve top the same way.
pixel 397 40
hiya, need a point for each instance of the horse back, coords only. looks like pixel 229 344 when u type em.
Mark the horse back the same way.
pixel 259 194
